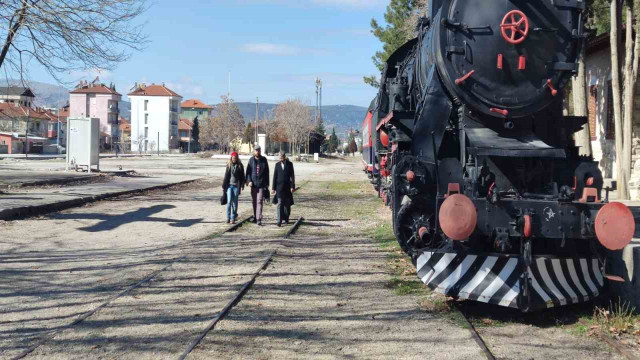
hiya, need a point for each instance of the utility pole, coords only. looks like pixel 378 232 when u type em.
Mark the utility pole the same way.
pixel 158 143
pixel 26 134
pixel 257 106
pixel 229 87
pixel 58 130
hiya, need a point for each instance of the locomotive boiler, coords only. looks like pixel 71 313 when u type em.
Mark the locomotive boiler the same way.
pixel 489 194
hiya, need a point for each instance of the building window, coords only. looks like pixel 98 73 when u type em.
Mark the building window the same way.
pixel 146 119
pixel 4 143
pixel 146 105
pixel 146 132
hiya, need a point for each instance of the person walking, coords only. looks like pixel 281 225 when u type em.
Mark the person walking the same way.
pixel 258 179
pixel 233 183
pixel 284 185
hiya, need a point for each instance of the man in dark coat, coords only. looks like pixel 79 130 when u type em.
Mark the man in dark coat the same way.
pixel 258 179
pixel 284 185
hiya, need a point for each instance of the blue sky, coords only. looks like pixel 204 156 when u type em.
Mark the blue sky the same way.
pixel 274 49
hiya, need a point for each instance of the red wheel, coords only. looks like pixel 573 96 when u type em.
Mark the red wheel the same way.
pixel 527 226
pixel 515 27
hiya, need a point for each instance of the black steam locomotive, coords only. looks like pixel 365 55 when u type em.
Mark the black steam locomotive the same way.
pixel 489 194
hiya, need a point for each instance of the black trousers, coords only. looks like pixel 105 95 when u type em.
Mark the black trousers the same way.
pixel 283 212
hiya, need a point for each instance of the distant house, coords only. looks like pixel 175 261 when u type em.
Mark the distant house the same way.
pixel 193 108
pixel 125 134
pixel 185 128
pixel 19 122
pixel 17 95
pixel 601 121
pixel 155 112
pixel 96 100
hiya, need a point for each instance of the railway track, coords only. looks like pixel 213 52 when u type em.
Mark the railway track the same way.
pixel 475 334
pixel 50 335
pixel 239 295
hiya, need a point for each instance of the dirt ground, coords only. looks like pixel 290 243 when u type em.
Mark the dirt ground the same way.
pixel 332 290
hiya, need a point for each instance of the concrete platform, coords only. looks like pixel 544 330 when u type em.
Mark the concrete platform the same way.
pixel 19 204
pixel 39 178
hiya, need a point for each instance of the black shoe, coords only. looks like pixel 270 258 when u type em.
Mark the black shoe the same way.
pixel 279 224
pixel 228 221
pixel 254 220
pixel 287 221
pixel 259 222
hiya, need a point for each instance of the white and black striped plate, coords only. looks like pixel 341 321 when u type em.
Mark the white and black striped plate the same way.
pixel 498 279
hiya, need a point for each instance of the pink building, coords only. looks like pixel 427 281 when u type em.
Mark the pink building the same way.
pixel 96 100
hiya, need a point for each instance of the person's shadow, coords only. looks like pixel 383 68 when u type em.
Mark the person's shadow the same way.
pixel 110 222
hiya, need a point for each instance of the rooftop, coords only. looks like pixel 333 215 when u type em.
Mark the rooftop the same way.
pixel 195 103
pixel 13 110
pixel 153 90
pixel 95 88
pixel 185 124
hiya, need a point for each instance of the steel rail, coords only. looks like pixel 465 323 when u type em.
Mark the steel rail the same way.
pixel 50 335
pixel 239 295
pixel 476 336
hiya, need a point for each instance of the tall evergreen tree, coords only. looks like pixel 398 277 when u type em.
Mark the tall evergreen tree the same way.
pixel 249 134
pixel 333 142
pixel 393 35
pixel 319 135
pixel 195 134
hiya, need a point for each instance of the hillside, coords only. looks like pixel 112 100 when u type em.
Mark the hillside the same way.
pixel 342 117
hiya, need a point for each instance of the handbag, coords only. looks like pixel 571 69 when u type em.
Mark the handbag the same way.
pixel 223 198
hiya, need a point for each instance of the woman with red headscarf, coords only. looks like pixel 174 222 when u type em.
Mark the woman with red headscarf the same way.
pixel 233 182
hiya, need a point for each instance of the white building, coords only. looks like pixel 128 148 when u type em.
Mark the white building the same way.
pixel 155 112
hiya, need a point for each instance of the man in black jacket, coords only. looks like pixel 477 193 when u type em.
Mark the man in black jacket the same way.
pixel 284 185
pixel 258 179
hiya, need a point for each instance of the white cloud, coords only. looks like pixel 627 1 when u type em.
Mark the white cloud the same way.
pixel 278 49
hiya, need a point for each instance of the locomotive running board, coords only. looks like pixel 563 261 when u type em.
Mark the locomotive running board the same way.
pixel 501 280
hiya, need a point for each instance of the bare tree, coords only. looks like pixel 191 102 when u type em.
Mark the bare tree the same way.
pixel 67 35
pixel 140 141
pixel 295 119
pixel 579 94
pixel 227 123
pixel 623 87
pixel 207 137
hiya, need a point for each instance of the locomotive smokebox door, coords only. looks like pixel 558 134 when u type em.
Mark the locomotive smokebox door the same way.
pixel 507 58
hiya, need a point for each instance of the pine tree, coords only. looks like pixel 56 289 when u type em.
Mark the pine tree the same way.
pixel 195 134
pixel 333 142
pixel 393 35
pixel 319 134
pixel 248 136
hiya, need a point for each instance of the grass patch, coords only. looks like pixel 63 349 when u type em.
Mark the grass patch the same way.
pixel 617 319
pixel 383 236
pixel 404 287
pixel 341 187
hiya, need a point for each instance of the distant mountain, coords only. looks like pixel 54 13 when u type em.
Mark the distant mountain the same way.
pixel 342 117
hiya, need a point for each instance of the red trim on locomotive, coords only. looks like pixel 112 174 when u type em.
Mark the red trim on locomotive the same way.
pixel 464 77
pixel 615 226
pixel 515 26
